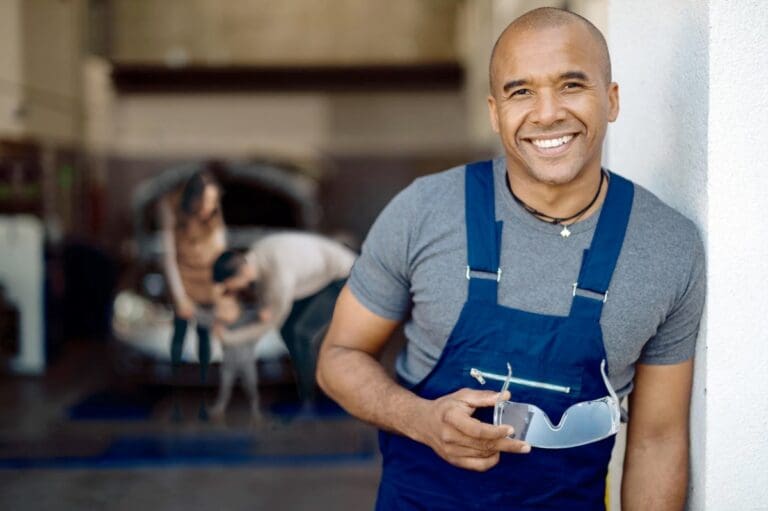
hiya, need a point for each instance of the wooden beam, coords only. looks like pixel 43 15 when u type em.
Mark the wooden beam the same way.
pixel 141 78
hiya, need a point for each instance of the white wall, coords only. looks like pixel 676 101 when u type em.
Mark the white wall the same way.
pixel 660 60
pixel 21 273
pixel 693 127
pixel 737 340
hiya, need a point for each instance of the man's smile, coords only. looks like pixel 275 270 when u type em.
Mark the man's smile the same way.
pixel 551 146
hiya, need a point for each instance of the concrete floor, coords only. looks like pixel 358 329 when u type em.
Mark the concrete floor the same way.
pixel 50 462
pixel 331 487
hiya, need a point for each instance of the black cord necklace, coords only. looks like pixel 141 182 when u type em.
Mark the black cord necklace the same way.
pixel 552 219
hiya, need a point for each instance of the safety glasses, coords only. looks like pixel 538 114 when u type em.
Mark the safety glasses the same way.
pixel 581 424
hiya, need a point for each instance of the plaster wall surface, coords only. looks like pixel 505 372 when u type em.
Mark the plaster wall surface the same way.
pixel 39 69
pixel 693 130
pixel 292 124
pixel 51 42
pixel 660 60
pixel 737 340
pixel 10 67
pixel 299 32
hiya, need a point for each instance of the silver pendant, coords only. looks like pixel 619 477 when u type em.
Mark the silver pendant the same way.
pixel 565 232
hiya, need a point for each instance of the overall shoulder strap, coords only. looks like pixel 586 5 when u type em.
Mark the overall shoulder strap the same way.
pixel 599 260
pixel 483 232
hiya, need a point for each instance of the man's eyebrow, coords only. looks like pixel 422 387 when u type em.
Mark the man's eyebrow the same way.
pixel 575 75
pixel 512 84
pixel 568 75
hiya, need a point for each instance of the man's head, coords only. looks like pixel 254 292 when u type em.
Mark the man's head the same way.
pixel 232 271
pixel 551 95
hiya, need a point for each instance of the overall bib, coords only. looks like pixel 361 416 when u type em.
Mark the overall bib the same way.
pixel 561 350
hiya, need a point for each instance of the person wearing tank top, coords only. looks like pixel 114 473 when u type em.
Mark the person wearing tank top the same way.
pixel 193 236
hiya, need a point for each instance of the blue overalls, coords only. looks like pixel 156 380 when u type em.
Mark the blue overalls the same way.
pixel 565 351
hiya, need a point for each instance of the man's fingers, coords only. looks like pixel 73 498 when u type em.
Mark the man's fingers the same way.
pixel 463 451
pixel 507 445
pixel 475 429
pixel 467 442
pixel 485 462
pixel 479 398
pixel 513 446
pixel 479 436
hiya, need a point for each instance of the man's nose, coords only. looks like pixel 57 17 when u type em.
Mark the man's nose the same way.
pixel 547 109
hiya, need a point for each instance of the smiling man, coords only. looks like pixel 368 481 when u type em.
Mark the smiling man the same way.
pixel 542 264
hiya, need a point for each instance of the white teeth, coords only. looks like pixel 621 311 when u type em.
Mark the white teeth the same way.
pixel 553 142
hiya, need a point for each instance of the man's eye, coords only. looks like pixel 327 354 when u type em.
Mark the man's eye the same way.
pixel 573 85
pixel 520 92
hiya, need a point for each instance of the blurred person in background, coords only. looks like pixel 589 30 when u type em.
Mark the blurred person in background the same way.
pixel 193 236
pixel 234 310
pixel 300 276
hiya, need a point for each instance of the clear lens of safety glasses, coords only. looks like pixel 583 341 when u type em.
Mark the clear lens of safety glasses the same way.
pixel 582 423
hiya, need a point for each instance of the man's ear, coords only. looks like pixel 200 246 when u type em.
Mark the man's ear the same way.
pixel 613 101
pixel 494 114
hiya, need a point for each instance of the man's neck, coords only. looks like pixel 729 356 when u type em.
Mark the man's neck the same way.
pixel 561 200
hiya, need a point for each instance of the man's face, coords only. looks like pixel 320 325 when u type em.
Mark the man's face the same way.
pixel 550 104
pixel 238 281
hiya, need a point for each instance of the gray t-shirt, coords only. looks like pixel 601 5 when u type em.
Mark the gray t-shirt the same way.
pixel 413 264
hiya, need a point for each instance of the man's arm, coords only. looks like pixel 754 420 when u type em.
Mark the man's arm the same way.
pixel 656 459
pixel 272 315
pixel 350 373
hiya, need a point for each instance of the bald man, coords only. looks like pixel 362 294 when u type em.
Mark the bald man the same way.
pixel 537 290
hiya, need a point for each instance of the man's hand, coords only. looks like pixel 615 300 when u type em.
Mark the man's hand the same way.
pixel 186 308
pixel 226 310
pixel 349 372
pixel 265 314
pixel 450 430
pixel 218 329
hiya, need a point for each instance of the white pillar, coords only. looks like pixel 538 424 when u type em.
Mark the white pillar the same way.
pixel 21 273
pixel 692 128
pixel 736 470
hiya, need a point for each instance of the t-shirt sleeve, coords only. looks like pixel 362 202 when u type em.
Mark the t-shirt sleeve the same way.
pixel 380 277
pixel 675 339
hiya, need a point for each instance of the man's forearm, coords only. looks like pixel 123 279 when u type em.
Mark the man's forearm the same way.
pixel 656 474
pixel 359 383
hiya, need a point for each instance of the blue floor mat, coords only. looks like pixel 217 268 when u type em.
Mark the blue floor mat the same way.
pixel 198 450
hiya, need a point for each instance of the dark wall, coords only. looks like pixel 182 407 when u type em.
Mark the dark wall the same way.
pixel 352 192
